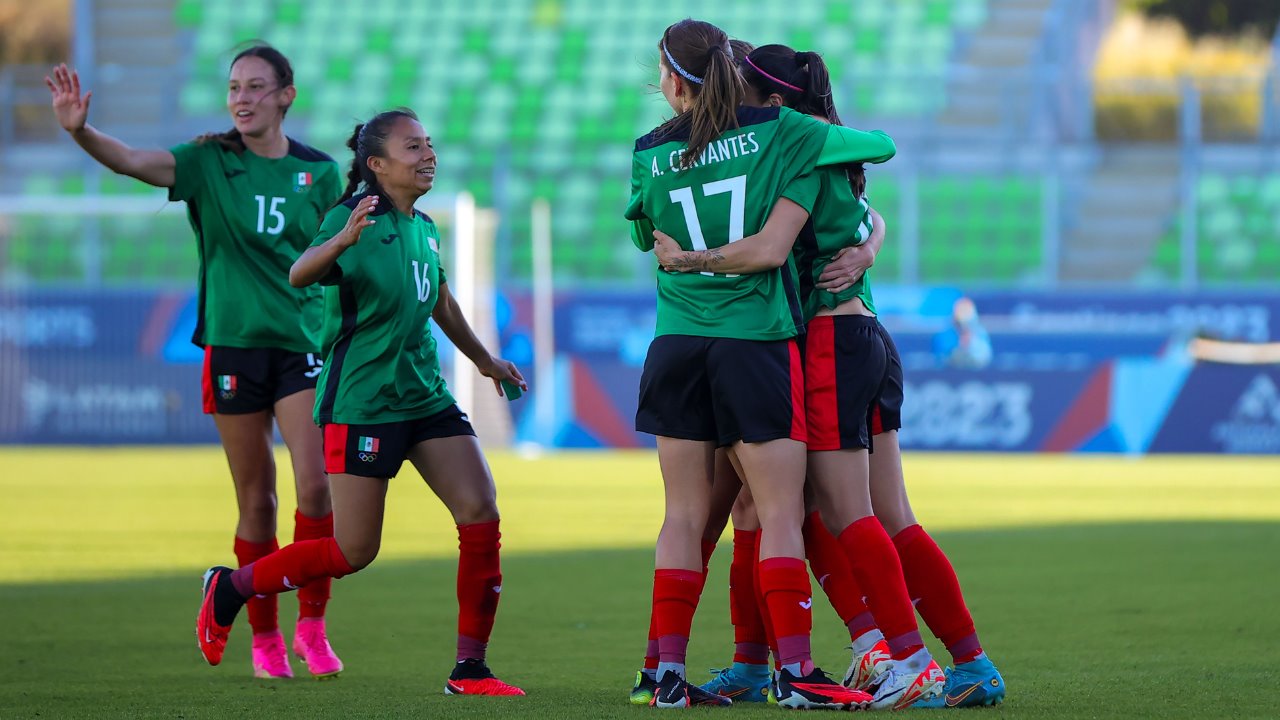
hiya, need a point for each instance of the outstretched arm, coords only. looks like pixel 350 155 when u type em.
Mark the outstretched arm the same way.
pixel 847 145
pixel 154 167
pixel 448 315
pixel 765 250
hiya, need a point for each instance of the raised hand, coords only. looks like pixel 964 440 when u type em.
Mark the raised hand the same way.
pixel 359 220
pixel 69 106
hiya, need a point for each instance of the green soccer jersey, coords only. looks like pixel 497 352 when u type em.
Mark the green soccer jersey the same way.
pixel 838 220
pixel 727 195
pixel 380 361
pixel 253 217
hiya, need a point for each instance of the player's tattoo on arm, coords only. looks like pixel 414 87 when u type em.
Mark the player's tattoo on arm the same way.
pixel 698 261
pixel 714 258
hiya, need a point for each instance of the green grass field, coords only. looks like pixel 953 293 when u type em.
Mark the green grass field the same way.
pixel 1102 587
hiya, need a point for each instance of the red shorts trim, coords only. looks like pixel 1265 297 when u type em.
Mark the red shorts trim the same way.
pixel 821 402
pixel 877 421
pixel 799 430
pixel 335 448
pixel 206 383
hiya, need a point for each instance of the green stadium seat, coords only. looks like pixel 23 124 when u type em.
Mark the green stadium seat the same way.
pixel 1237 228
pixel 561 85
pixel 188 13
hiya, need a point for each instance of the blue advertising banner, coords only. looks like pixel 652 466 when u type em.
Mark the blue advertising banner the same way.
pixel 1224 409
pixel 988 410
pixel 117 401
pixel 1074 372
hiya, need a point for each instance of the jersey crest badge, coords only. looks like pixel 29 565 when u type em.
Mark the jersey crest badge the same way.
pixel 301 182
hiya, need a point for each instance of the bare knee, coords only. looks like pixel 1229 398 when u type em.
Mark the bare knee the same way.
pixel 313 494
pixel 258 507
pixel 359 553
pixel 744 514
pixel 895 521
pixel 686 524
pixel 481 508
pixel 786 515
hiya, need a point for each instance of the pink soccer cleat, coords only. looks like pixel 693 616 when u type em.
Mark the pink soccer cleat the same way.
pixel 270 658
pixel 312 645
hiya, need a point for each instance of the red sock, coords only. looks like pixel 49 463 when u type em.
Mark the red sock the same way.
pixel 835 577
pixel 751 643
pixel 675 598
pixel 708 547
pixel 293 566
pixel 651 650
pixel 314 596
pixel 932 579
pixel 263 611
pixel 762 607
pixel 479 586
pixel 876 566
pixel 784 583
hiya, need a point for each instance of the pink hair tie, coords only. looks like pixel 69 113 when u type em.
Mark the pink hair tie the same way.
pixel 780 82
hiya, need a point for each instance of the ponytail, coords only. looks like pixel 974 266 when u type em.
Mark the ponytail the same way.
pixel 353 173
pixel 715 108
pixel 231 141
pixel 803 82
pixel 817 98
pixel 700 53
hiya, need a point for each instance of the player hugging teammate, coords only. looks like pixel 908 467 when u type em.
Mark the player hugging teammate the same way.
pixel 851 390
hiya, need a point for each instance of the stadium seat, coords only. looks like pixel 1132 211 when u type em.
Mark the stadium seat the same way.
pixel 557 88
pixel 561 80
pixel 1236 223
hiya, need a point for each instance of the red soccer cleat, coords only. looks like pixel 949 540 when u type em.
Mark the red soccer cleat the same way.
pixel 210 636
pixel 473 677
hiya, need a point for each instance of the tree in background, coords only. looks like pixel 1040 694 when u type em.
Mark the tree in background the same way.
pixel 1214 17
pixel 34 33
pixel 1149 57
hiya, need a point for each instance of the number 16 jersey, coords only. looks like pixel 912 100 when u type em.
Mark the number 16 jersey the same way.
pixel 380 362
pixel 726 195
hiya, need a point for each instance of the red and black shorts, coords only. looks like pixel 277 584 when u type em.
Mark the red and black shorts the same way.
pixel 378 450
pixel 237 381
pixel 886 415
pixel 722 389
pixel 845 371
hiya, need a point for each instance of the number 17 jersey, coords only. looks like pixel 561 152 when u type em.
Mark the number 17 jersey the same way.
pixel 726 195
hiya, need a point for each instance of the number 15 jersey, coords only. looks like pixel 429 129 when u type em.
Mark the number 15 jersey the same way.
pixel 727 195
pixel 253 216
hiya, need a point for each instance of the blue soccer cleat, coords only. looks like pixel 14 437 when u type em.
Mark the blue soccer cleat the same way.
pixel 971 684
pixel 740 683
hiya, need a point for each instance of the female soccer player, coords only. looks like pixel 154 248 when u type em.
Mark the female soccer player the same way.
pixel 724 367
pixel 382 400
pixel 843 334
pixel 255 198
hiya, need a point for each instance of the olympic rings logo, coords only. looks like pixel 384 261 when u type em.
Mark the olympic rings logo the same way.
pixel 367 456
